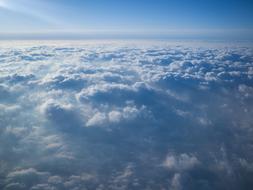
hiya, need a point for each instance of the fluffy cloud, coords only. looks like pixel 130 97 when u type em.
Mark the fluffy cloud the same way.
pixel 62 115
pixel 105 115
pixel 182 162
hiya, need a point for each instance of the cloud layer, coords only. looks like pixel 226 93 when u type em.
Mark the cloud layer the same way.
pixel 126 116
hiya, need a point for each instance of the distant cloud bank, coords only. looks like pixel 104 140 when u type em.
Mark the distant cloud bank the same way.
pixel 233 35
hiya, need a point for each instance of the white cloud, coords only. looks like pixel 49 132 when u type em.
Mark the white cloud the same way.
pixel 115 116
pixel 97 120
pixel 55 180
pixel 181 162
pixel 175 182
pixel 75 115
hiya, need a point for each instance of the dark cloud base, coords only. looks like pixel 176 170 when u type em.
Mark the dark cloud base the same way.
pixel 126 116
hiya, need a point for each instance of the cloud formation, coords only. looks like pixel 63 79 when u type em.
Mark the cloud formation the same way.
pixel 126 116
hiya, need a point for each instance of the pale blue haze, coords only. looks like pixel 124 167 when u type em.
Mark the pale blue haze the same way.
pixel 125 18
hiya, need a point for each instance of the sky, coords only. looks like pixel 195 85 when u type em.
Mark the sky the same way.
pixel 130 17
pixel 126 114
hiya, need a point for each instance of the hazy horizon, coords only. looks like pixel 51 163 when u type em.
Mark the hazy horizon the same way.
pixel 44 19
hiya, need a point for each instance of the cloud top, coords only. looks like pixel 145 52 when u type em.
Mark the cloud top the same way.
pixel 125 116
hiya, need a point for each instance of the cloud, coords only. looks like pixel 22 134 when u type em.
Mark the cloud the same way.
pixel 61 115
pixel 118 116
pixel 182 162
pixel 25 177
pixel 105 115
pixel 175 183
pixel 97 119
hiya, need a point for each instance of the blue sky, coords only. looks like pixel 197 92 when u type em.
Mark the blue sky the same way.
pixel 149 17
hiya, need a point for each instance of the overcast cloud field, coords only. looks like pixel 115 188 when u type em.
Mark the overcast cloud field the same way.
pixel 126 116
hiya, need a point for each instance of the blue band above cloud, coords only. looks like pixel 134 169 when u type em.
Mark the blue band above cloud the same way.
pixel 131 18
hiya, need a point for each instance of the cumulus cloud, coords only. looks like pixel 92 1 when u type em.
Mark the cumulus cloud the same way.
pixel 182 162
pixel 97 119
pixel 61 115
pixel 119 115
pixel 175 182
pixel 25 177
pixel 86 115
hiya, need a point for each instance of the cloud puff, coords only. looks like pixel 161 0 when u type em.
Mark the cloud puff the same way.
pixel 182 162
pixel 62 115
pixel 85 115
pixel 119 115
pixel 24 178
